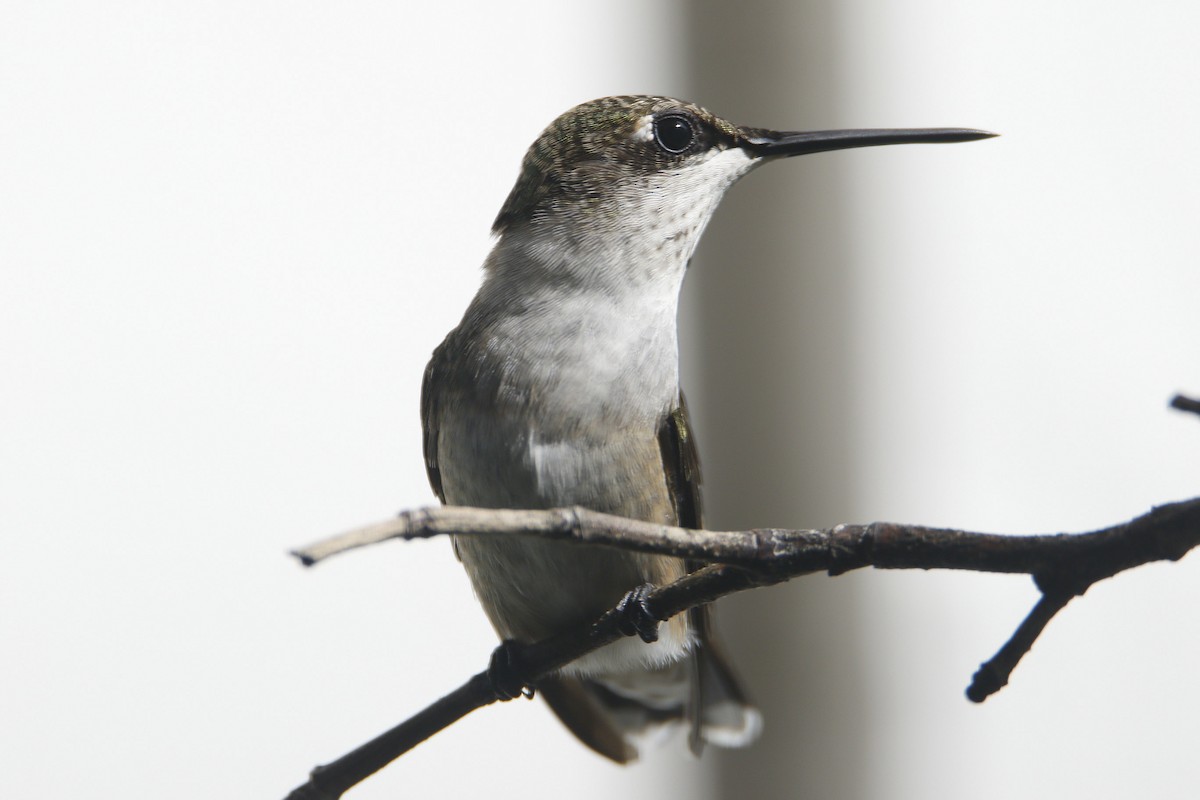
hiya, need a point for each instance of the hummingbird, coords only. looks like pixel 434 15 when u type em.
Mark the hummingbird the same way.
pixel 560 387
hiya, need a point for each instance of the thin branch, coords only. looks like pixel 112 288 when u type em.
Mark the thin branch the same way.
pixel 1062 565
pixel 331 780
pixel 1183 403
pixel 993 674
pixel 1166 533
pixel 532 662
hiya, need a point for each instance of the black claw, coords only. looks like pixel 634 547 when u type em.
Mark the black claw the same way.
pixel 636 616
pixel 504 671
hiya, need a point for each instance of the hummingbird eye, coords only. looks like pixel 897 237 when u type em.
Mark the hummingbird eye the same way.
pixel 674 133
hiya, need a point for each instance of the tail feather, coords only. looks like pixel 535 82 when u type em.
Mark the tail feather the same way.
pixel 572 702
pixel 721 714
pixel 617 715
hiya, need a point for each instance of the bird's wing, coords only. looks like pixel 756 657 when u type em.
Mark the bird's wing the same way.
pixel 429 422
pixel 681 465
pixel 718 709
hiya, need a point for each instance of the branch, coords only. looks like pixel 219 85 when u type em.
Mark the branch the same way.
pixel 529 663
pixel 1183 403
pixel 1063 566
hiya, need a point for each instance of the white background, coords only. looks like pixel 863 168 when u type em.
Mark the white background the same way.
pixel 230 235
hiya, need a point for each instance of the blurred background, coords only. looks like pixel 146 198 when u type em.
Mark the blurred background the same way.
pixel 231 234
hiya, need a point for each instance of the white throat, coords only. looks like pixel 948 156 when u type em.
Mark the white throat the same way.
pixel 584 308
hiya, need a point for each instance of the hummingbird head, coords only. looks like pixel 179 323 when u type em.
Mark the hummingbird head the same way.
pixel 664 161
pixel 597 158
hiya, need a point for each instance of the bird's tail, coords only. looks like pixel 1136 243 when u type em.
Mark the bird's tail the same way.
pixel 617 715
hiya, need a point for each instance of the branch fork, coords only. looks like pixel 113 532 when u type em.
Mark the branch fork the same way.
pixel 1063 566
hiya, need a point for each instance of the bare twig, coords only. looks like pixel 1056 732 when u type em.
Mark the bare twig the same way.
pixel 1062 565
pixel 1184 403
pixel 533 662
pixel 329 781
pixel 993 674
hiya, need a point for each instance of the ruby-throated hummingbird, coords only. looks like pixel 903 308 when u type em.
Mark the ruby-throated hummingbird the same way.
pixel 560 387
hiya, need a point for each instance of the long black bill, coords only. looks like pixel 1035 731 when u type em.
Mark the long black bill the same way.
pixel 769 143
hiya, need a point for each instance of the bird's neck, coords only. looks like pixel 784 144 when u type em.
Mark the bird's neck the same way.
pixel 585 319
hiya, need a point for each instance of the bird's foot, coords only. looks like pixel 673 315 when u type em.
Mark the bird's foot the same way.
pixel 636 616
pixel 504 672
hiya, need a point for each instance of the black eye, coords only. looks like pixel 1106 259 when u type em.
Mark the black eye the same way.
pixel 674 133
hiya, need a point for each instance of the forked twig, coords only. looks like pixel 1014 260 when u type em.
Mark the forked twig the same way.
pixel 1062 565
